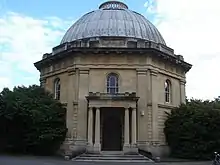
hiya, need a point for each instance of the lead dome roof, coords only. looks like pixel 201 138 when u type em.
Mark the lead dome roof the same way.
pixel 113 19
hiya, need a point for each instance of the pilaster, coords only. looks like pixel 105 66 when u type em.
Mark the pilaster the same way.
pixel 183 91
pixel 142 105
pixel 154 102
pixel 75 119
pixel 149 106
pixel 83 86
pixel 42 82
pixel 70 107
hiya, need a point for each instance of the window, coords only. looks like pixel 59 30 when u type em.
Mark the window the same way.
pixel 167 91
pixel 57 89
pixel 112 83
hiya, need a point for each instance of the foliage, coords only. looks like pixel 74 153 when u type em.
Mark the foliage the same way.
pixel 193 130
pixel 31 121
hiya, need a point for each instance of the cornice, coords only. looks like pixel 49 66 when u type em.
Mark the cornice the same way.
pixel 146 68
pixel 64 103
pixel 143 51
pixel 167 106
pixel 119 96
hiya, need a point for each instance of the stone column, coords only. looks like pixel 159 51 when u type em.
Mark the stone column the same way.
pixel 182 91
pixel 126 129
pixel 90 126
pixel 134 127
pixel 97 131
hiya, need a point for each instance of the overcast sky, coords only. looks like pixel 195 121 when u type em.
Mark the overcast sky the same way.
pixel 29 29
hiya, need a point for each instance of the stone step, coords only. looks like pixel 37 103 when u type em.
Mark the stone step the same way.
pixel 112 158
pixel 116 161
pixel 115 158
pixel 124 156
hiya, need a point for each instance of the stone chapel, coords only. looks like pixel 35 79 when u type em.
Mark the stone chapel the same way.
pixel 117 78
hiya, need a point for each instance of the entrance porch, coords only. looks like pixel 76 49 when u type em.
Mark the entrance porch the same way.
pixel 112 122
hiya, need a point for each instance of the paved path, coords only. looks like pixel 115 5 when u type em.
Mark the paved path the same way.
pixel 24 160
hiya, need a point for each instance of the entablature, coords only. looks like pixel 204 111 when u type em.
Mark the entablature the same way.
pixel 126 100
pixel 177 60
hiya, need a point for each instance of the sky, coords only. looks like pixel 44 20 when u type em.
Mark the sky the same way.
pixel 30 28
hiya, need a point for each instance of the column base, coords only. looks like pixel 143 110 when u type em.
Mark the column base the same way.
pixel 72 148
pixel 126 148
pixel 134 148
pixel 90 148
pixel 97 148
pixel 130 149
pixel 155 149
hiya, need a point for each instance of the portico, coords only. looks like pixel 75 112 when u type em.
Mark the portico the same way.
pixel 112 122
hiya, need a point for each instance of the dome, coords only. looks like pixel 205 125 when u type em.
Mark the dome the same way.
pixel 113 19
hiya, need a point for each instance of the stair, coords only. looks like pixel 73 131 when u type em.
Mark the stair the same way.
pixel 112 157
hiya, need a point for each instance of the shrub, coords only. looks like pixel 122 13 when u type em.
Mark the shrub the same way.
pixel 31 121
pixel 193 130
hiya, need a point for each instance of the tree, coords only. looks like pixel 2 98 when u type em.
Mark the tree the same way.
pixel 198 133
pixel 31 121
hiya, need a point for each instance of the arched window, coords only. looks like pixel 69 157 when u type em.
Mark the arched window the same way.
pixel 112 83
pixel 167 91
pixel 57 89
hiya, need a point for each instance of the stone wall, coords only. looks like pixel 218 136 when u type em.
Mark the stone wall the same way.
pixel 145 75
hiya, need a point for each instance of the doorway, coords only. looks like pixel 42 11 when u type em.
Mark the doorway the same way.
pixel 112 122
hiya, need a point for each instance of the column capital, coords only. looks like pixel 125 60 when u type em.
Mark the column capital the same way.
pixel 71 71
pixel 84 71
pixel 90 108
pixel 94 106
pixel 182 81
pixel 133 108
pixel 141 71
pixel 126 107
pixel 42 81
pixel 153 72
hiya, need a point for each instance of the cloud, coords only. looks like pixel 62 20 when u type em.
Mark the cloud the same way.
pixel 23 41
pixel 192 29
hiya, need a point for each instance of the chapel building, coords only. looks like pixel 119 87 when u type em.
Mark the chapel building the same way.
pixel 117 78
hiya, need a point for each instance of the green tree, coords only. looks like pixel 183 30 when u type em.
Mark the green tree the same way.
pixel 31 121
pixel 193 130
